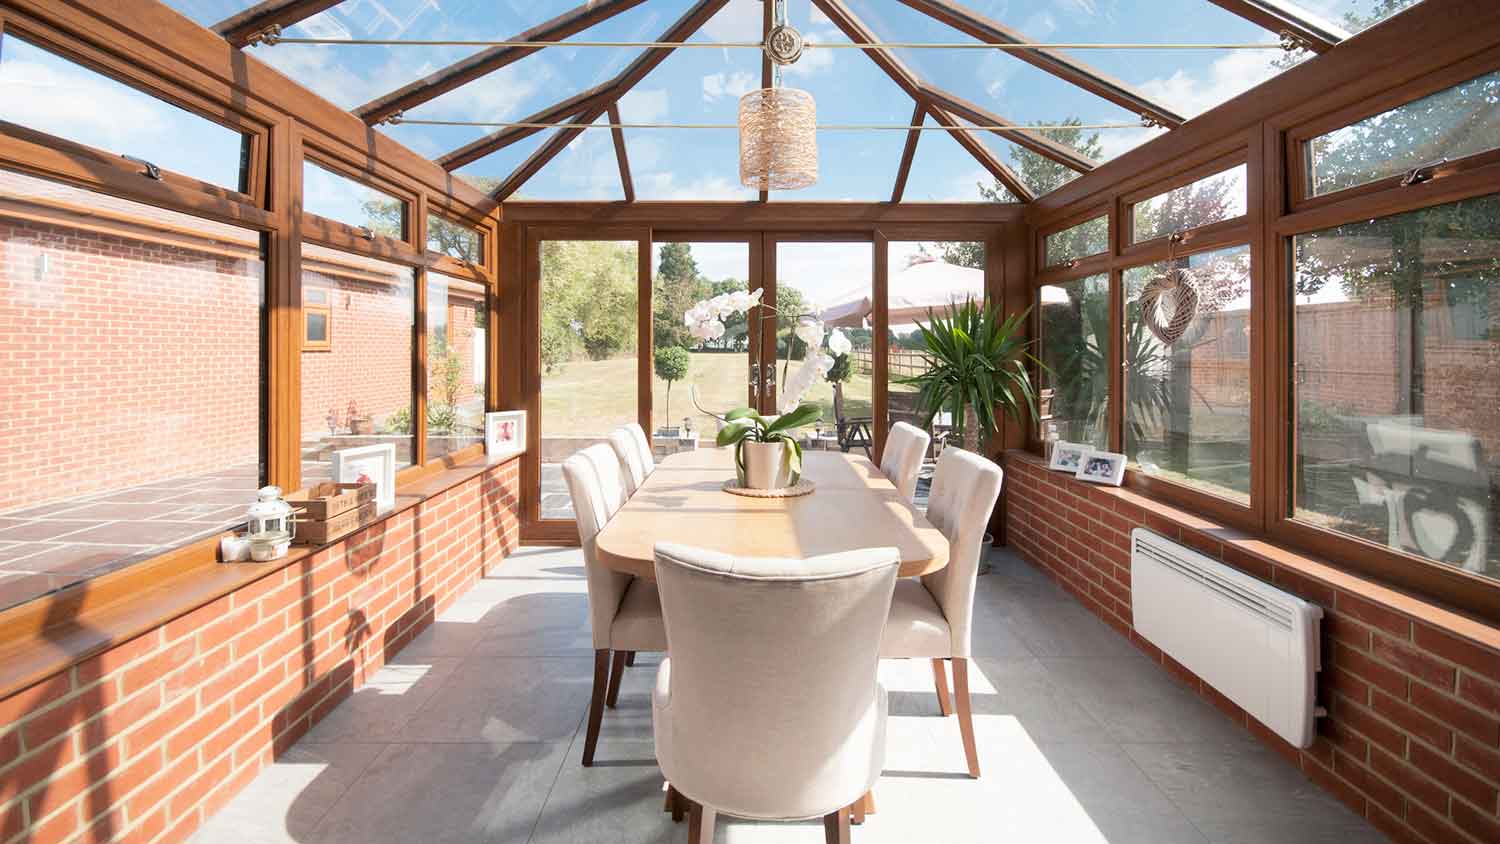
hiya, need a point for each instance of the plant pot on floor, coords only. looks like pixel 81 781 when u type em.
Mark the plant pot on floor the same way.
pixel 766 465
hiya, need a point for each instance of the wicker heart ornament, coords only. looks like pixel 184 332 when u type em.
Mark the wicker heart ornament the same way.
pixel 1184 299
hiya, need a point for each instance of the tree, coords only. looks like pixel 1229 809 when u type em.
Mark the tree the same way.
pixel 671 364
pixel 676 288
pixel 384 217
pixel 588 301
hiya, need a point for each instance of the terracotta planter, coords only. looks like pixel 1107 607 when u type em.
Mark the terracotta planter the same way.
pixel 765 465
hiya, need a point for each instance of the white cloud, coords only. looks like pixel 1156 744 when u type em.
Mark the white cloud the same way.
pixel 77 105
pixel 644 105
pixel 663 185
pixel 719 85
pixel 813 59
pixel 1191 94
pixel 739 20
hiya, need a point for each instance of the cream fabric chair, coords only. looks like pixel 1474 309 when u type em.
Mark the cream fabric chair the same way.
pixel 624 611
pixel 931 617
pixel 905 446
pixel 767 705
pixel 643 447
pixel 629 453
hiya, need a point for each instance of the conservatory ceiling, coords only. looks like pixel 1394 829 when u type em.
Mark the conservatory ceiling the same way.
pixel 1124 70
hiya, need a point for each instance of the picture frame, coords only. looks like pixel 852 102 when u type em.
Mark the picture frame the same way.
pixel 504 434
pixel 369 464
pixel 1067 457
pixel 1102 467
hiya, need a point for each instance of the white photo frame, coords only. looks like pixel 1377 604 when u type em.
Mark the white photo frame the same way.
pixel 504 433
pixel 1067 457
pixel 369 464
pixel 1102 467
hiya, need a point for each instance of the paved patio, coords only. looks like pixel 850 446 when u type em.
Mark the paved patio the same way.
pixel 474 734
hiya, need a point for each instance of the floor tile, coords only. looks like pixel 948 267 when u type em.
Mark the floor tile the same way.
pixel 140 533
pixel 1137 701
pixel 507 699
pixel 43 529
pixel 1067 629
pixel 382 708
pixel 618 800
pixel 286 801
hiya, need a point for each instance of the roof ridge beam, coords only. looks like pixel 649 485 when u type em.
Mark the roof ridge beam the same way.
pixel 239 28
pixel 488 61
pixel 1285 18
pixel 1029 139
pixel 1058 64
pixel 502 138
pixel 909 152
pixel 622 158
pixel 690 22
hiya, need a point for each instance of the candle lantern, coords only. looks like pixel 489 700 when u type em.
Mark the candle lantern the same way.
pixel 269 525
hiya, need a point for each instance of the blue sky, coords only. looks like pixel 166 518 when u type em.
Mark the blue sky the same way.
pixel 703 85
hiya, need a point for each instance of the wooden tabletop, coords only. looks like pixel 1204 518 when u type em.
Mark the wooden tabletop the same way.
pixel 854 506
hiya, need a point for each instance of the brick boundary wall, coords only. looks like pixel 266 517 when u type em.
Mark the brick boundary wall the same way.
pixel 145 741
pixel 1412 739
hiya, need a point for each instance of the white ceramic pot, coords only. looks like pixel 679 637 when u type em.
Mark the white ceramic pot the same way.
pixel 765 465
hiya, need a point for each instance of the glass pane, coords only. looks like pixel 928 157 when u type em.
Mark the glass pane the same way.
pixel 455 364
pixel 714 371
pixel 314 296
pixel 358 392
pixel 1463 120
pixel 831 281
pixel 336 197
pixel 1187 371
pixel 1075 352
pixel 922 276
pixel 317 327
pixel 1080 241
pixel 210 12
pixel 1208 200
pixel 1397 381
pixel 108 460
pixel 50 94
pixel 1356 15
pixel 588 337
pixel 943 171
pixel 454 240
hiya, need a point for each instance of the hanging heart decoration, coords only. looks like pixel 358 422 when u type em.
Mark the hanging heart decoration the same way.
pixel 1181 296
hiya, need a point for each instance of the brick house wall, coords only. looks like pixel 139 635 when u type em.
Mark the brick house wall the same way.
pixel 368 361
pixel 122 361
pixel 143 742
pixel 1412 738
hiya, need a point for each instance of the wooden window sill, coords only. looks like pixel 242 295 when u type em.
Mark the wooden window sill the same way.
pixel 1238 543
pixel 51 634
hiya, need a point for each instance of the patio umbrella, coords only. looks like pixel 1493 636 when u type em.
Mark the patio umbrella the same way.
pixel 926 283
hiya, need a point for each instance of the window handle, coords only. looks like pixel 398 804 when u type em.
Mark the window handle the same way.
pixel 152 171
pixel 1422 173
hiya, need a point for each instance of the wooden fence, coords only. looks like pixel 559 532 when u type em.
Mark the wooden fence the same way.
pixel 900 362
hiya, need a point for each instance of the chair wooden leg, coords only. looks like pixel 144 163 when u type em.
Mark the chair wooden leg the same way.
pixel 615 674
pixel 965 713
pixel 940 679
pixel 857 810
pixel 679 806
pixel 596 705
pixel 836 827
pixel 630 659
pixel 701 825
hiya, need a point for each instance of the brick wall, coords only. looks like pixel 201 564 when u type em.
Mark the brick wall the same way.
pixel 122 361
pixel 368 361
pixel 1412 739
pixel 143 742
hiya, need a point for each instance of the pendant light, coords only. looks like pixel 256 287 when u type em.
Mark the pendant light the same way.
pixel 779 125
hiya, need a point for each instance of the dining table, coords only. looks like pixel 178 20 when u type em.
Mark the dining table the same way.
pixel 853 505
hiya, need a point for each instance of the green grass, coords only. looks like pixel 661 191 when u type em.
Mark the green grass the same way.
pixel 589 398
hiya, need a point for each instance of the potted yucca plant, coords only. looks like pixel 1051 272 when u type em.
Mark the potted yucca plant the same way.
pixel 766 450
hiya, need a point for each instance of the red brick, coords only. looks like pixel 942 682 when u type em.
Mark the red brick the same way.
pixel 1394 827
pixel 1480 660
pixel 1344 629
pixel 1482 760
pixel 1318 593
pixel 1381 676
pixel 1413 782
pixel 1250 564
pixel 1336 785
pixel 1480 693
pixel 1417 663
pixel 1364 722
pixel 1483 826
pixel 1379 617
pixel 1413 721
pixel 1458 781
pixel 1485 728
pixel 1379 792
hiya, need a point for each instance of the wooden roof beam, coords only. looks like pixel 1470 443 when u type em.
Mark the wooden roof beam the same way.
pixel 1031 140
pixel 490 60
pixel 1058 64
pixel 626 183
pixel 239 29
pixel 502 138
pixel 856 31
pixel 1279 17
pixel 689 23
pixel 909 152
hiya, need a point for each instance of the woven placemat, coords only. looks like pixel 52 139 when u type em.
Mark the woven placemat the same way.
pixel 802 487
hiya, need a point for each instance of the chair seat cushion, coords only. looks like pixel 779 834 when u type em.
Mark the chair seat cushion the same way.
pixel 638 625
pixel 916 627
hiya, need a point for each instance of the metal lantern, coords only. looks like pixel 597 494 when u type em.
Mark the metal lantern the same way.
pixel 269 524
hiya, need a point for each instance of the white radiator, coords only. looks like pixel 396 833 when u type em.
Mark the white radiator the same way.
pixel 1253 642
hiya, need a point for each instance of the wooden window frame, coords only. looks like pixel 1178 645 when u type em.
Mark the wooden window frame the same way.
pixel 1212 232
pixel 1087 215
pixel 326 309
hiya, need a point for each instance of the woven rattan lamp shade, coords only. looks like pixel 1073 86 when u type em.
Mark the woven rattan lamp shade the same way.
pixel 778 139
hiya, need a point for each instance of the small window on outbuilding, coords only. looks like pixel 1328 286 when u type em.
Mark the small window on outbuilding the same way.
pixel 317 320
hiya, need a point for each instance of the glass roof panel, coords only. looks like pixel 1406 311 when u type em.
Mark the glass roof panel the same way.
pixel 585 170
pixel 209 12
pixel 487 173
pixel 352 75
pixel 1355 15
pixel 1037 172
pixel 695 85
pixel 943 171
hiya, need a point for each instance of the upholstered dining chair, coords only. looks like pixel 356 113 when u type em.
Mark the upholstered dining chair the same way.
pixel 622 440
pixel 905 447
pixel 931 616
pixel 624 611
pixel 643 447
pixel 767 705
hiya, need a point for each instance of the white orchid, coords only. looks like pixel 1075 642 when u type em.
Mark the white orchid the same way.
pixel 810 331
pixel 838 343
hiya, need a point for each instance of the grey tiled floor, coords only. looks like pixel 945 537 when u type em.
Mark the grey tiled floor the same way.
pixel 474 735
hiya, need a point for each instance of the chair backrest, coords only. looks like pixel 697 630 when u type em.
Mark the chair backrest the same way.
pixel 772 677
pixel 598 491
pixel 643 447
pixel 964 489
pixel 905 447
pixel 629 455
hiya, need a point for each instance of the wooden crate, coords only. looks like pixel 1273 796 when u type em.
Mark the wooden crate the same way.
pixel 324 531
pixel 327 500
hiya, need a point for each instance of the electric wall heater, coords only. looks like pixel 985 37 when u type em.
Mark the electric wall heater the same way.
pixel 1253 642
